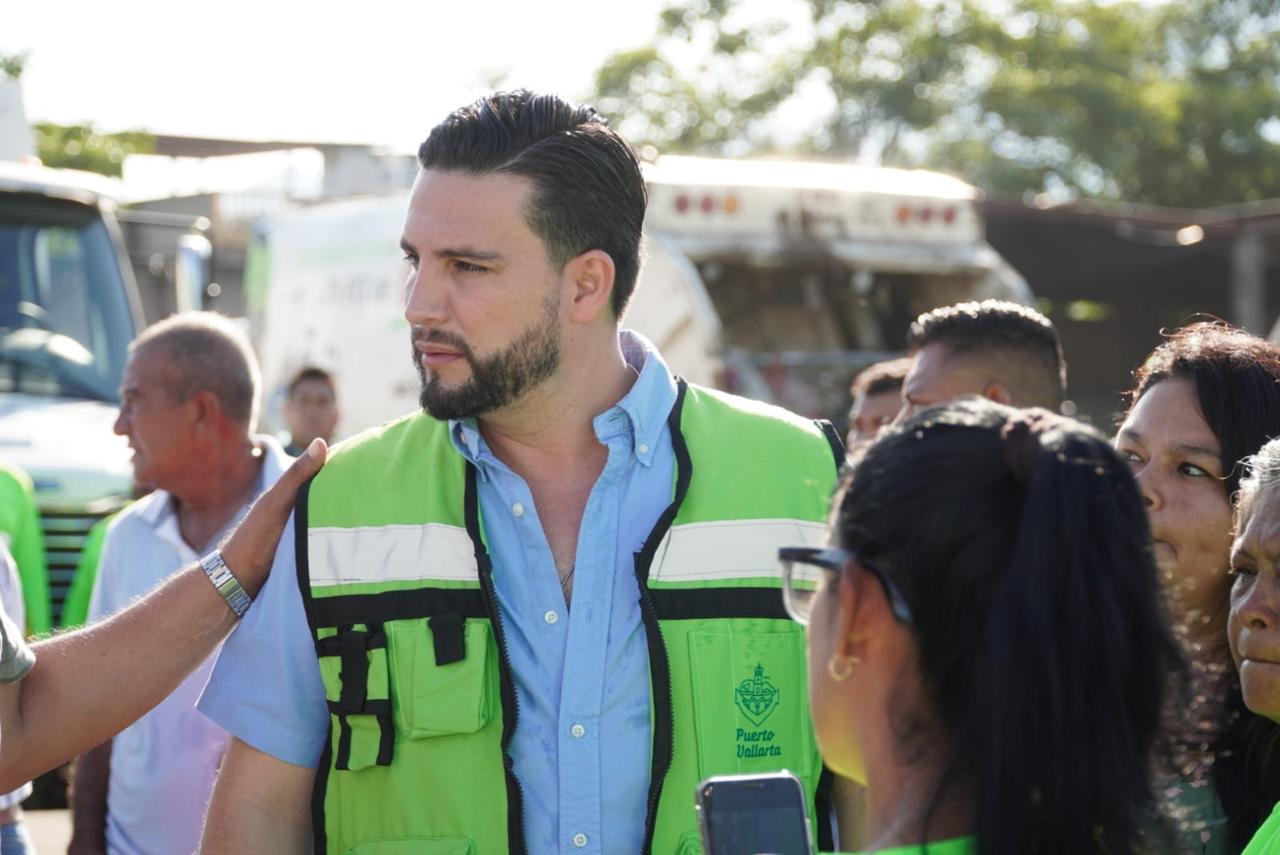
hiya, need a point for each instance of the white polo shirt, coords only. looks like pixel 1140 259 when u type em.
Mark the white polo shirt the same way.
pixel 15 616
pixel 162 766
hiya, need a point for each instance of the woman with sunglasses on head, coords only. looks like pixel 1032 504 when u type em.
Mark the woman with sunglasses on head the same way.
pixel 1253 626
pixel 987 645
pixel 1204 400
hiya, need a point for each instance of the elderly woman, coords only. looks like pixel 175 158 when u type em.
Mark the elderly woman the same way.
pixel 987 645
pixel 1204 400
pixel 1253 627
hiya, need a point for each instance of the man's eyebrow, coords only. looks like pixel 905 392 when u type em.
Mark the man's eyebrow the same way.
pixel 407 247
pixel 471 253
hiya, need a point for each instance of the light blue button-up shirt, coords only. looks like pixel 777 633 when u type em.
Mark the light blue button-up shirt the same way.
pixel 582 740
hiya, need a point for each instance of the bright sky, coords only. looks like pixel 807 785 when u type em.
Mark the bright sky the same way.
pixel 376 71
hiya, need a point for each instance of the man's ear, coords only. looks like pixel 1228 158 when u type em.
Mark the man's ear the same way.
pixel 999 393
pixel 591 278
pixel 206 409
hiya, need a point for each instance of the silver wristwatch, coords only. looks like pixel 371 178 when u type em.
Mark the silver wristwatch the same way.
pixel 226 583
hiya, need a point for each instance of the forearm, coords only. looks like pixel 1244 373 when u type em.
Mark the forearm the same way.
pixel 118 669
pixel 90 775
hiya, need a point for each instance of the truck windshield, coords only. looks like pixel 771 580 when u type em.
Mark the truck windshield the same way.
pixel 65 321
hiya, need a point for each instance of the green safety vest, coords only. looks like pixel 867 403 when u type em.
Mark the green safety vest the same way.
pixel 398 589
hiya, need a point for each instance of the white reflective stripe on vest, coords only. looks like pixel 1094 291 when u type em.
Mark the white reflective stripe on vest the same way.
pixel 730 549
pixel 390 553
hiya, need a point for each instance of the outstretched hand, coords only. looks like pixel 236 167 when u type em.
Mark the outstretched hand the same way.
pixel 250 549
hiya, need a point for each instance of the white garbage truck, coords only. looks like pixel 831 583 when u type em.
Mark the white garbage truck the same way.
pixel 775 279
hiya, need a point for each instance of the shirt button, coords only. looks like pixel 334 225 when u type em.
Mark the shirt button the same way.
pixel 517 509
pixel 578 731
pixel 579 840
pixel 551 617
pixel 642 448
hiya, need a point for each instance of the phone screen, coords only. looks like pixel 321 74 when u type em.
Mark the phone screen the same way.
pixel 749 816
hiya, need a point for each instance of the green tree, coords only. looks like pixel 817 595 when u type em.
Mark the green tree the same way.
pixel 82 147
pixel 1175 104
pixel 12 64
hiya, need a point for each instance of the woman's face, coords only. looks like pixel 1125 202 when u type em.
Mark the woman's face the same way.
pixel 1176 460
pixel 1254 624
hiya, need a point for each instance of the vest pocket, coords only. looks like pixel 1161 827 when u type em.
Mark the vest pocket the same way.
pixel 353 666
pixel 750 699
pixel 416 846
pixel 440 675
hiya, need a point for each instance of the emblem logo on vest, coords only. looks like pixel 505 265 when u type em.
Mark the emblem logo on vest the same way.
pixel 756 698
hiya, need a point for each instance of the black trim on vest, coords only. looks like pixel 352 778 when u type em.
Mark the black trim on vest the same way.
pixel 659 664
pixel 824 810
pixel 343 761
pixel 303 566
pixel 699 603
pixel 510 703
pixel 448 637
pixel 398 605
pixel 834 440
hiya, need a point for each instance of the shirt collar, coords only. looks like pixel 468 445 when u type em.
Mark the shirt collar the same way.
pixel 644 409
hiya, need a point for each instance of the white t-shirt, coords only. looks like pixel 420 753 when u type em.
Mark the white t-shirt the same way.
pixel 162 766
pixel 15 614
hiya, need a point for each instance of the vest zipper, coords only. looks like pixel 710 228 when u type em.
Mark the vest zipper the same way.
pixel 506 676
pixel 659 664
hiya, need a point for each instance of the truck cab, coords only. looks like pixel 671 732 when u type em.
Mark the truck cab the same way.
pixel 68 310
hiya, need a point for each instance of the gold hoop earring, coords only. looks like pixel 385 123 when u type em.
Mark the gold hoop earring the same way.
pixel 840 667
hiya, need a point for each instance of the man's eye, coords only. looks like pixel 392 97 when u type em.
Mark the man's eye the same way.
pixel 412 259
pixel 1238 570
pixel 1131 456
pixel 468 267
pixel 1194 471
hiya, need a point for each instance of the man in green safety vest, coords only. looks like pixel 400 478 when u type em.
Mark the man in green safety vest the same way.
pixel 532 616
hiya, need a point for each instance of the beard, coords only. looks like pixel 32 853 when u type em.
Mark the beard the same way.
pixel 496 380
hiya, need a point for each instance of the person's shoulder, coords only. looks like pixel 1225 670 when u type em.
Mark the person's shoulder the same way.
pixel 412 433
pixel 14 479
pixel 717 401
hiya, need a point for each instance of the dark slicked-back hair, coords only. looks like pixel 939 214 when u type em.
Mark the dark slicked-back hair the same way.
pixel 1236 377
pixel 588 192
pixel 1019 339
pixel 881 377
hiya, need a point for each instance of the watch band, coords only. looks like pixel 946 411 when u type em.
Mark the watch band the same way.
pixel 225 581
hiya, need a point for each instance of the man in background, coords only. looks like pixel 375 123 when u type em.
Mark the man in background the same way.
pixel 188 407
pixel 877 397
pixel 994 349
pixel 311 409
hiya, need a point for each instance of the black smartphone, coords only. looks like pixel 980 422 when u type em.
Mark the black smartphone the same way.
pixel 754 814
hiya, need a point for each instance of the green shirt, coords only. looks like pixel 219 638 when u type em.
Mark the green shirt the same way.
pixel 20 528
pixel 75 609
pixel 1267 839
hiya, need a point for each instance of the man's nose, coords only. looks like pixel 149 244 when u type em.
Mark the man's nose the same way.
pixel 425 302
